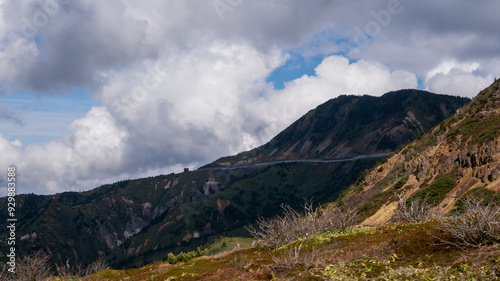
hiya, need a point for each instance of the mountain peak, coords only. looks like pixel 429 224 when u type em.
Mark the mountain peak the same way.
pixel 349 126
pixel 488 100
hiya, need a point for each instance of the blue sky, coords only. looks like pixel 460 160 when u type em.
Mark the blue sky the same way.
pixel 43 118
pixel 295 67
pixel 100 91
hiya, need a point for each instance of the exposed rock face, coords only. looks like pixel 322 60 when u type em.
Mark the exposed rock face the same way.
pixel 105 232
pixel 465 147
pixel 134 224
pixel 222 205
pixel 137 215
pixel 210 185
pixel 411 120
pixel 160 209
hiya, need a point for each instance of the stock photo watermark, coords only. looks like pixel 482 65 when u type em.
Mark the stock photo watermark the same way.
pixel 11 221
pixel 221 7
pixel 373 28
pixel 32 25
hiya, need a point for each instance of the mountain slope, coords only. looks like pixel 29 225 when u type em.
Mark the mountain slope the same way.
pixel 389 252
pixel 352 125
pixel 135 222
pixel 463 150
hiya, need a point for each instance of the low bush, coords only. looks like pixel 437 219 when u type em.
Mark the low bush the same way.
pixel 416 210
pixel 295 255
pixel 97 266
pixel 291 225
pixel 475 225
pixel 76 271
pixel 33 267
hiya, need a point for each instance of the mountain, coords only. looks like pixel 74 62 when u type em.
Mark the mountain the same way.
pixel 136 222
pixel 353 125
pixel 459 155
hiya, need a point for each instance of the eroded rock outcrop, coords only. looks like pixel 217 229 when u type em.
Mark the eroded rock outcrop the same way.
pixel 466 147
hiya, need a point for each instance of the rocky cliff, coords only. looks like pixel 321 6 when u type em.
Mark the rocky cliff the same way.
pixel 464 148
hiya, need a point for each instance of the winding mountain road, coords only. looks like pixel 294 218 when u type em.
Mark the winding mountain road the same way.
pixel 276 162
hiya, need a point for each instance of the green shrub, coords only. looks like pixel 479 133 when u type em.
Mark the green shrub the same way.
pixel 487 135
pixel 422 133
pixel 436 191
pixel 185 257
pixel 401 183
pixel 362 177
pixel 482 130
pixel 368 206
pixel 374 205
pixel 454 133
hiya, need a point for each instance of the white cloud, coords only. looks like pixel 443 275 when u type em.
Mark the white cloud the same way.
pixel 92 152
pixel 204 92
pixel 16 142
pixel 460 79
pixel 95 138
pixel 448 67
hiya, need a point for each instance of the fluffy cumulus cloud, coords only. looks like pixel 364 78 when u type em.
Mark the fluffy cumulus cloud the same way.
pixel 180 83
pixel 453 78
pixel 92 150
pixel 192 106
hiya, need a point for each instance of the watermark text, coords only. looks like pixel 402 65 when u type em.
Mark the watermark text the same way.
pixel 11 221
